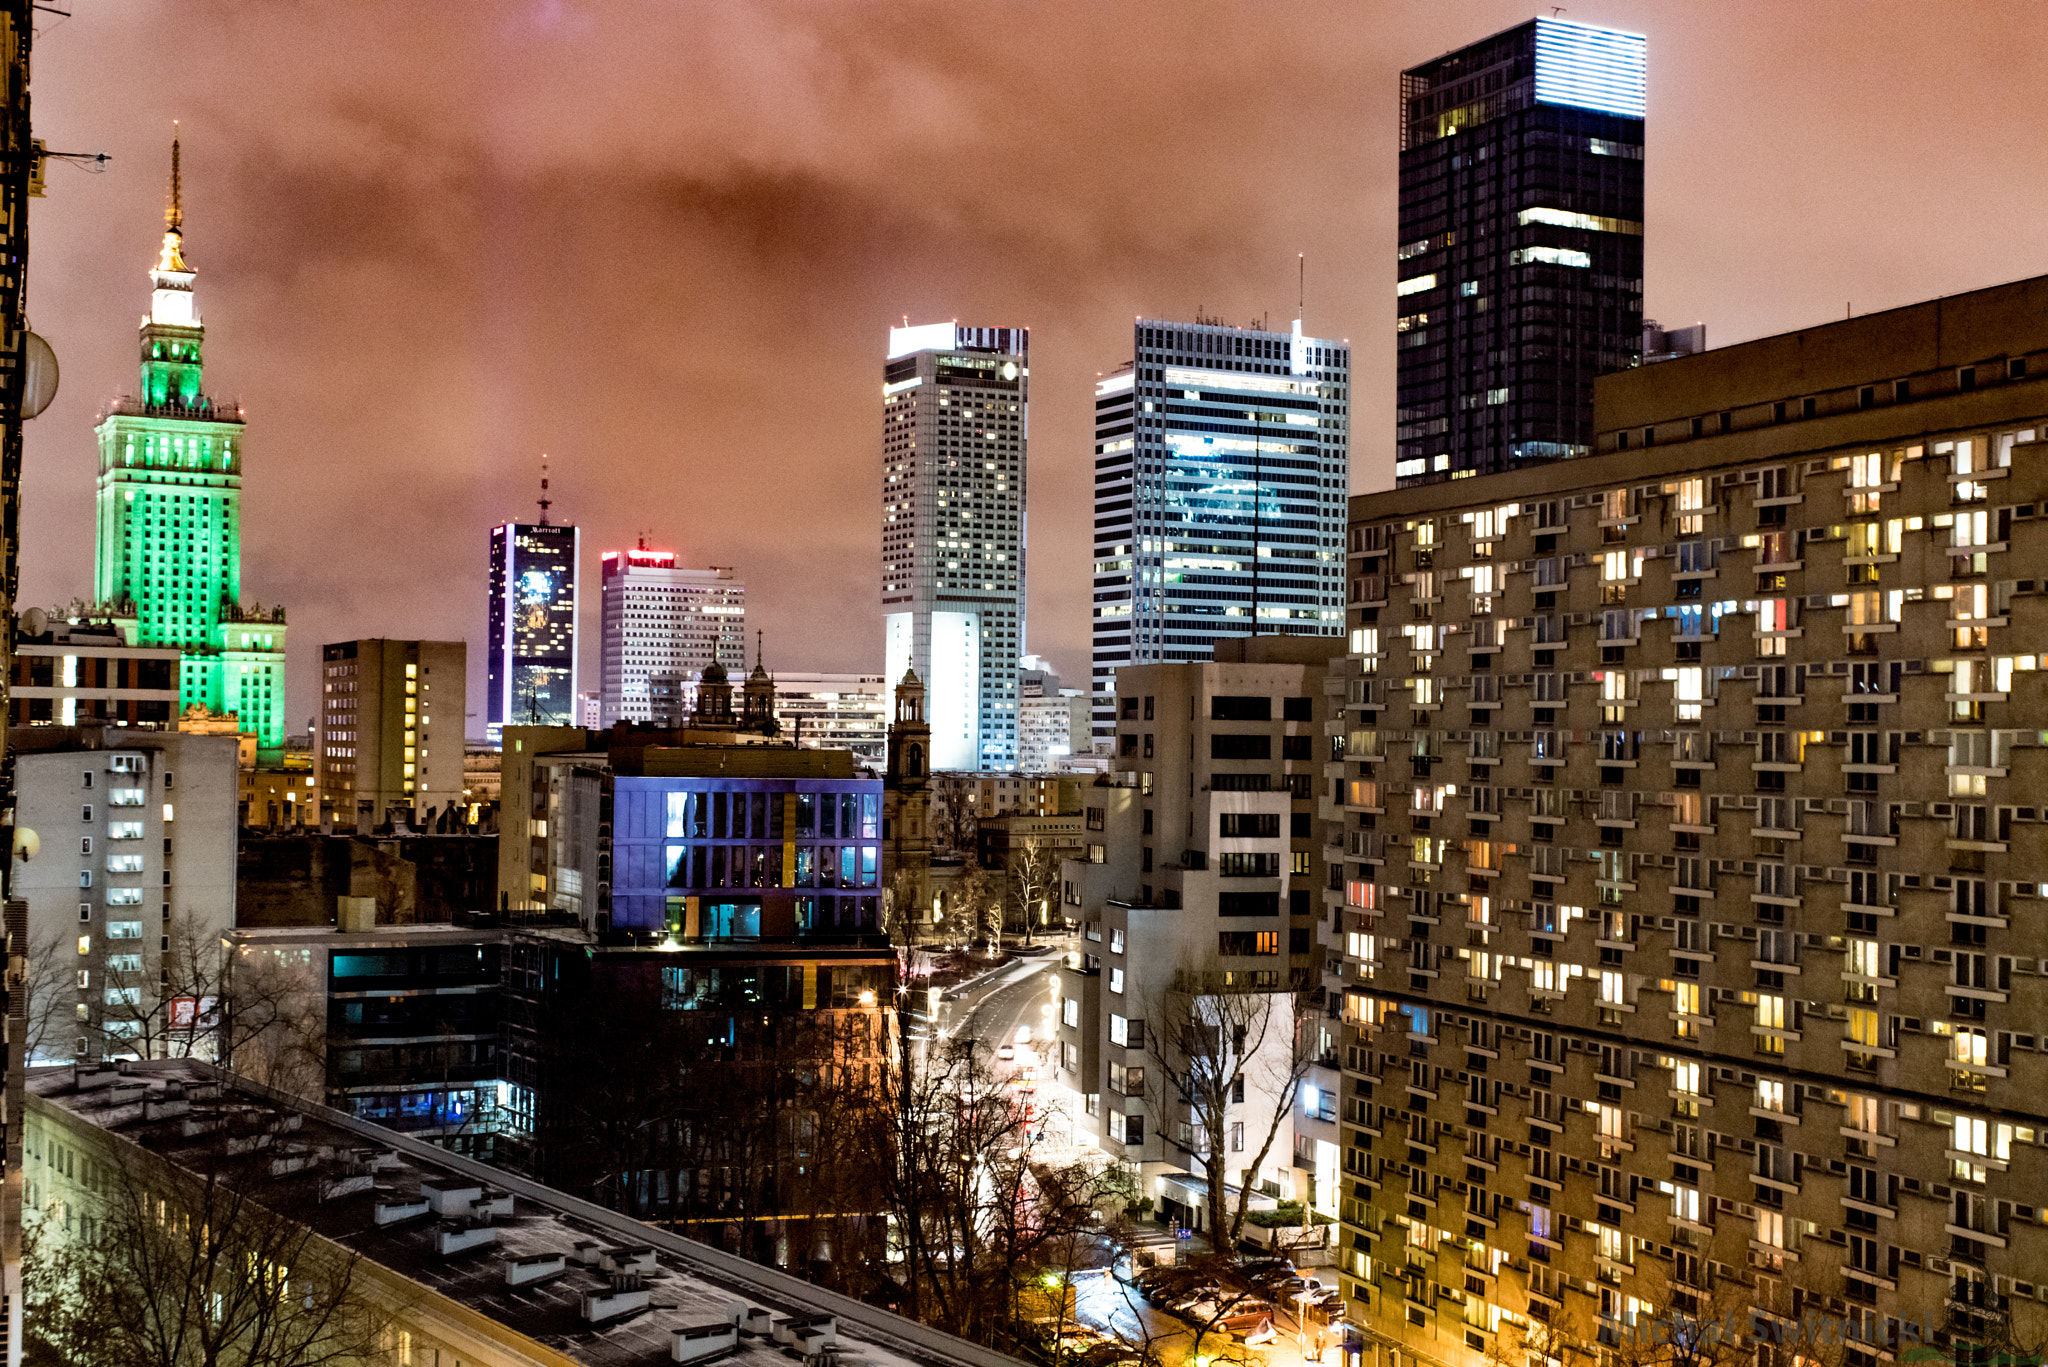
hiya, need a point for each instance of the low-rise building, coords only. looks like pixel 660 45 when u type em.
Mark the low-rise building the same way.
pixel 66 673
pixel 454 1260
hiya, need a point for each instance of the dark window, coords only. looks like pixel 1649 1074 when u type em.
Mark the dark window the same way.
pixel 1247 904
pixel 1297 747
pixel 1807 407
pixel 1301 826
pixel 1297 709
pixel 1727 422
pixel 2016 368
pixel 1866 397
pixel 1227 707
pixel 1649 436
pixel 1148 707
pixel 1148 745
pixel 1699 427
pixel 1966 378
pixel 1248 865
pixel 1902 390
pixel 1130 707
pixel 1241 747
pixel 1129 744
pixel 1248 825
pixel 1778 412
pixel 1621 441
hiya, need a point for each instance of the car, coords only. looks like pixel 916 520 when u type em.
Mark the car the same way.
pixel 1006 1053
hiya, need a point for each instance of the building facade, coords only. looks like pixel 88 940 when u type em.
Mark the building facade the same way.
pixel 1520 266
pixel 835 712
pixel 531 669
pixel 379 754
pixel 661 619
pixel 1690 864
pixel 134 879
pixel 168 543
pixel 73 672
pixel 1201 877
pixel 955 433
pixel 1221 469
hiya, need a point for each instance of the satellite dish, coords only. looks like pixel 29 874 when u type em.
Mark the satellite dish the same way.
pixel 39 382
pixel 34 622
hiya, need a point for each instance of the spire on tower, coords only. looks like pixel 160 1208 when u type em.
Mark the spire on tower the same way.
pixel 545 502
pixel 173 255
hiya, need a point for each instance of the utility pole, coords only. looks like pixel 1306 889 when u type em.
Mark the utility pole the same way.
pixel 17 165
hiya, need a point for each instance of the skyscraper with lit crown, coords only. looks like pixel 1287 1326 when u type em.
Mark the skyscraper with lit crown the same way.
pixel 169 536
pixel 955 429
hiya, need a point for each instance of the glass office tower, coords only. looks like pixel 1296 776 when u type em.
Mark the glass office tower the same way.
pixel 1221 477
pixel 956 410
pixel 1521 246
pixel 532 651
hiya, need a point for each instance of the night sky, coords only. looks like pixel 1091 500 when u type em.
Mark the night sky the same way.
pixel 663 243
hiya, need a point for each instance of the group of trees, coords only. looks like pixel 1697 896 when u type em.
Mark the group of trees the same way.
pixel 197 997
pixel 201 1264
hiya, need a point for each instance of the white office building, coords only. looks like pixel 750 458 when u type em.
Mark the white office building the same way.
pixel 834 712
pixel 955 429
pixel 1222 469
pixel 659 619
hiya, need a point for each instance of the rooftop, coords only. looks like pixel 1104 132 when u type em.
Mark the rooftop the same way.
pixel 504 1227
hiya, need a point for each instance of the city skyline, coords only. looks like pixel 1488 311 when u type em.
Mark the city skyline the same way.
pixel 300 269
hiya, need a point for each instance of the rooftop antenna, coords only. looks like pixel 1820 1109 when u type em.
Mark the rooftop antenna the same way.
pixel 1301 284
pixel 544 501
pixel 174 216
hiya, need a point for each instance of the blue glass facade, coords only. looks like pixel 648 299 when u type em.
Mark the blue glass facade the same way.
pixel 711 860
pixel 1222 471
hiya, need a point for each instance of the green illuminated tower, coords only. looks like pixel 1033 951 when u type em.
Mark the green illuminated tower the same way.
pixel 169 536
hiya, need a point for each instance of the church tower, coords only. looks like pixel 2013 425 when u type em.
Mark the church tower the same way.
pixel 906 807
pixel 168 563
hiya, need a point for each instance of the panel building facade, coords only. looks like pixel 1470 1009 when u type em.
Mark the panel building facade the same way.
pixel 955 432
pixel 391 724
pixel 1692 859
pixel 1521 245
pixel 660 619
pixel 531 668
pixel 1221 469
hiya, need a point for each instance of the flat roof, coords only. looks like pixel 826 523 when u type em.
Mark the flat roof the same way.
pixel 691 1283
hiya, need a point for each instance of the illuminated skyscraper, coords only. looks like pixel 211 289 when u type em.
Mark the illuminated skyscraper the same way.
pixel 1521 245
pixel 657 618
pixel 1222 468
pixel 955 427
pixel 531 670
pixel 168 563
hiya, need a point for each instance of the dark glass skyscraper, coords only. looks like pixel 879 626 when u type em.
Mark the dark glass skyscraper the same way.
pixel 532 661
pixel 1521 256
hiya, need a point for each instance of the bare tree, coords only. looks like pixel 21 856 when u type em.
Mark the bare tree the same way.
pixel 974 891
pixel 248 1012
pixel 1227 1062
pixel 955 811
pixel 978 1212
pixel 1032 875
pixel 191 1266
pixel 1554 1342
pixel 903 905
pixel 51 987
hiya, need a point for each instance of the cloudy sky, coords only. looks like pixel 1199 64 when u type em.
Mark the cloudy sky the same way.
pixel 663 242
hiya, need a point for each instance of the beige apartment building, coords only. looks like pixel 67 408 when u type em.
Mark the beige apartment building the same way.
pixel 1694 850
pixel 391 728
pixel 1202 857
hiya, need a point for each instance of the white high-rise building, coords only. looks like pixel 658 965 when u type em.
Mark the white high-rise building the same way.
pixel 658 619
pixel 955 428
pixel 1222 466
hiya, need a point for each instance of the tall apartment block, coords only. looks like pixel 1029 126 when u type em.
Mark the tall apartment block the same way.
pixel 658 618
pixel 1205 857
pixel 1521 245
pixel 1693 859
pixel 391 728
pixel 1221 470
pixel 531 668
pixel 955 429
pixel 168 561
pixel 138 834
